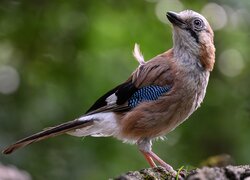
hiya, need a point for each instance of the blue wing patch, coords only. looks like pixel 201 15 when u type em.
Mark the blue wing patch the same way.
pixel 147 93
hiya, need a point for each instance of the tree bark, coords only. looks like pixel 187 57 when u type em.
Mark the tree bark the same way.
pixel 205 173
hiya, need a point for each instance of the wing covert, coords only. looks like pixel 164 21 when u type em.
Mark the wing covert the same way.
pixel 147 83
pixel 114 99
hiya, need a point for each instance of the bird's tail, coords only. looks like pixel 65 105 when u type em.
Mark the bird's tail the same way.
pixel 50 132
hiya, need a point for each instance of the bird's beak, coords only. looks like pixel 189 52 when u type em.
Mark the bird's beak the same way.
pixel 175 19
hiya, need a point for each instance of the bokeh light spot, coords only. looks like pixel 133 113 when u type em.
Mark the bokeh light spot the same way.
pixel 216 15
pixel 163 6
pixel 239 18
pixel 231 62
pixel 9 80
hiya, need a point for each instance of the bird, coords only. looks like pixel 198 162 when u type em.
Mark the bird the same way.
pixel 158 96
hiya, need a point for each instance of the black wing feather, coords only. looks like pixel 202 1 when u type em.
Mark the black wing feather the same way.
pixel 123 92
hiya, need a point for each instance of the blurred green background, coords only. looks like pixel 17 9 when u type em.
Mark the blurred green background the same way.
pixel 58 57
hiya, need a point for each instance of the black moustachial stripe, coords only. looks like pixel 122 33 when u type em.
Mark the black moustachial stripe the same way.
pixel 193 34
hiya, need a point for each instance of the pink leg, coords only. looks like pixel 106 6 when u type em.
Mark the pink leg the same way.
pixel 145 147
pixel 162 163
pixel 151 156
pixel 149 159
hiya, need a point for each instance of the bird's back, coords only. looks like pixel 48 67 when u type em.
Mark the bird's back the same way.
pixel 156 118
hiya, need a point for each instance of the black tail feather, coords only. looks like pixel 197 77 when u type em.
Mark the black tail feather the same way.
pixel 51 132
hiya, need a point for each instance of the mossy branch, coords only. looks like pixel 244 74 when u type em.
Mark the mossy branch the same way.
pixel 205 173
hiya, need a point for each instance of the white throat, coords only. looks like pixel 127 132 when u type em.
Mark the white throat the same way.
pixel 184 43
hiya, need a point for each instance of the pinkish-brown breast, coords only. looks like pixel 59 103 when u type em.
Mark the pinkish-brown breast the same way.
pixel 156 118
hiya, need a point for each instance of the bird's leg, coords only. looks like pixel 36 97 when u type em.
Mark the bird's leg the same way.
pixel 161 162
pixel 149 159
pixel 145 147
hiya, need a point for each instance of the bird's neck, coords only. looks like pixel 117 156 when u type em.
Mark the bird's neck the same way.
pixel 207 56
pixel 191 74
pixel 186 57
pixel 190 54
pixel 181 45
pixel 202 53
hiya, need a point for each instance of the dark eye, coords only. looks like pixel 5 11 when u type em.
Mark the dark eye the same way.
pixel 198 24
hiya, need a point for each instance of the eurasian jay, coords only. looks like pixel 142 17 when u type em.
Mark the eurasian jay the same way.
pixel 157 97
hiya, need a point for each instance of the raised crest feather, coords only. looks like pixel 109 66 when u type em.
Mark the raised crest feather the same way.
pixel 138 55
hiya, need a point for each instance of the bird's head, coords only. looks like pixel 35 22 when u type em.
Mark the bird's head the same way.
pixel 192 33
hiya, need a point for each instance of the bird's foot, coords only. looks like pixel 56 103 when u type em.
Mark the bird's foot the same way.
pixel 151 156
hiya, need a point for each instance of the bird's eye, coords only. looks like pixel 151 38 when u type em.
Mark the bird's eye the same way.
pixel 198 24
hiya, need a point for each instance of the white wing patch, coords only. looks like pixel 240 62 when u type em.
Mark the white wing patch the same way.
pixel 111 99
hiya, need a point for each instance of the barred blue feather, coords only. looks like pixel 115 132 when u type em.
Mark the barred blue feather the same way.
pixel 147 93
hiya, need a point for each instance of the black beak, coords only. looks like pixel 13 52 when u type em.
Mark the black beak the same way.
pixel 175 19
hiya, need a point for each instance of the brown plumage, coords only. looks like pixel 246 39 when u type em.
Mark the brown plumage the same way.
pixel 158 96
